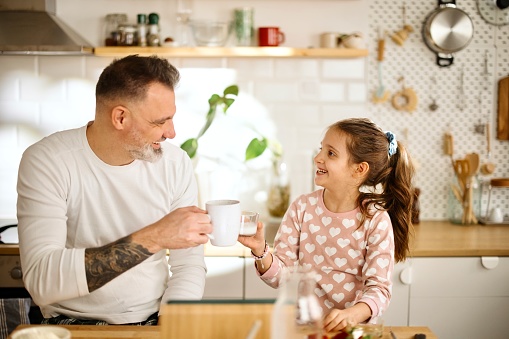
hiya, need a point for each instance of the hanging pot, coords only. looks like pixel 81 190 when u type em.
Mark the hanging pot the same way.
pixel 447 30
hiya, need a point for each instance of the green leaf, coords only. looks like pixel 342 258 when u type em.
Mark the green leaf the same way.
pixel 233 89
pixel 255 148
pixel 227 103
pixel 190 146
pixel 214 99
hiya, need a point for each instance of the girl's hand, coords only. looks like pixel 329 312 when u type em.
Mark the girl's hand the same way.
pixel 256 242
pixel 337 320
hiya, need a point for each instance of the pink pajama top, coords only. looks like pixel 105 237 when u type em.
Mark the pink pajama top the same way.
pixel 354 262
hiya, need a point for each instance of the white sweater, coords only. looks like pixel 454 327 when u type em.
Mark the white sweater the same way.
pixel 69 200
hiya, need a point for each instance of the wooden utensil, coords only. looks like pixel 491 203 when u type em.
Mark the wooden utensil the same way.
pixel 488 167
pixel 473 167
pixel 503 109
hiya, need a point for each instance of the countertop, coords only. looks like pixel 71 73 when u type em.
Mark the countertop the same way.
pixel 154 332
pixel 431 239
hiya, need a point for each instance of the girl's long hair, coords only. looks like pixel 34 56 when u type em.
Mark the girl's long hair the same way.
pixel 366 142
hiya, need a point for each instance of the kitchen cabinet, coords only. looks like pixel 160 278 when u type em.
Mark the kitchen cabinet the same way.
pixel 233 52
pixel 255 288
pixel 225 278
pixel 397 313
pixel 461 297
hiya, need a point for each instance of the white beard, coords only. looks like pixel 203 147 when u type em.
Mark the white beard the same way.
pixel 145 152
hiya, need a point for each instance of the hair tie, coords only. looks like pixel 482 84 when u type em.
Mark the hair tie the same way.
pixel 393 144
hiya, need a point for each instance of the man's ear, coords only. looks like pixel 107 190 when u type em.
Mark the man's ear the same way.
pixel 118 117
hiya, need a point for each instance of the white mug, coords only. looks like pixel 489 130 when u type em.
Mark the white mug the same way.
pixel 225 218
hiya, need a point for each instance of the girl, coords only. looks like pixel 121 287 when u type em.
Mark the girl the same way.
pixel 353 230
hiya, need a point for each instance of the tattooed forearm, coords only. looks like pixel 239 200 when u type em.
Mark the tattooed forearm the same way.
pixel 104 264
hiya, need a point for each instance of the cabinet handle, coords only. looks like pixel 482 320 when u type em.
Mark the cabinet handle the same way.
pixel 489 263
pixel 406 276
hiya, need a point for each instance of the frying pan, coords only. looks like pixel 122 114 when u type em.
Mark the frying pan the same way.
pixel 447 30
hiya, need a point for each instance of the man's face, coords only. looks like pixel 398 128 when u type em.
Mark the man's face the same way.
pixel 152 123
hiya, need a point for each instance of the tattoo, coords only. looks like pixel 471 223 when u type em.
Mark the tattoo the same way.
pixel 104 264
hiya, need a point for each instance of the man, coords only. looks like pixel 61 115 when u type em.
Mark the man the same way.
pixel 99 206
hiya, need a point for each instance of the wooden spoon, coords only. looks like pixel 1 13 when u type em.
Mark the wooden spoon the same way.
pixel 489 167
pixel 473 164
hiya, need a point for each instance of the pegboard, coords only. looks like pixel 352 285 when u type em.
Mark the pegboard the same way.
pixel 465 93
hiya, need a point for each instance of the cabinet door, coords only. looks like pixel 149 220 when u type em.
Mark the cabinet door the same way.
pixel 255 287
pixel 225 278
pixel 459 298
pixel 397 313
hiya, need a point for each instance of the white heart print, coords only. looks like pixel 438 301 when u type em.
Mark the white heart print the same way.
pixel 383 263
pixel 340 261
pixel 319 292
pixel 321 239
pixel 330 251
pixel 286 229
pixel 307 217
pixel 338 297
pixel 314 228
pixel 333 231
pixel 318 210
pixel 318 259
pixel 371 272
pixel 326 221
pixel 339 277
pixel 343 242
pixel 291 255
pixel 326 269
pixel 348 223
pixel 292 240
pixel 375 238
pixel 382 225
pixel 329 304
pixel 358 234
pixel 353 253
pixel 313 201
pixel 302 206
pixel 383 245
pixel 310 247
pixel 327 287
pixel 349 286
pixel 303 236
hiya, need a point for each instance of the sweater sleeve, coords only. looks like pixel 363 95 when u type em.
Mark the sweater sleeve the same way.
pixel 379 265
pixel 51 272
pixel 286 245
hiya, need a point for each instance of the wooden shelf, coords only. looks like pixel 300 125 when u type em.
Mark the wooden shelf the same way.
pixel 233 52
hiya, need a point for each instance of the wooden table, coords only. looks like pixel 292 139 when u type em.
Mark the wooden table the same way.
pixel 154 332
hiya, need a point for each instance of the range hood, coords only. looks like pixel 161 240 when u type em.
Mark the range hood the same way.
pixel 31 27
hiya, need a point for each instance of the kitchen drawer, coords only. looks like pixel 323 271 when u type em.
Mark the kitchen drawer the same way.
pixel 225 278
pixel 459 277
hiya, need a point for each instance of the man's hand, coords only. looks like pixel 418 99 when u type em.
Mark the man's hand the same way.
pixel 183 228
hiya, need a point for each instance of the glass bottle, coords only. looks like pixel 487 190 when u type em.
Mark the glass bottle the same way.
pixel 279 190
pixel 153 38
pixel 297 312
pixel 141 36
pixel 184 11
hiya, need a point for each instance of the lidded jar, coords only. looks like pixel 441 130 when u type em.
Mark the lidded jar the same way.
pixel 111 34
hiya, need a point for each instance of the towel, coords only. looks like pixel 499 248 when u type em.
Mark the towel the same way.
pixel 13 312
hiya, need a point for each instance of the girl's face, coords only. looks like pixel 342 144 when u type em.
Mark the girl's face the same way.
pixel 333 168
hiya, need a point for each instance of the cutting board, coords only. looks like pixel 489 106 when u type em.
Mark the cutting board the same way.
pixel 503 109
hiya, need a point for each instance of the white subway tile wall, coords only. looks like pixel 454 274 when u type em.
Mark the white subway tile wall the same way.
pixel 293 100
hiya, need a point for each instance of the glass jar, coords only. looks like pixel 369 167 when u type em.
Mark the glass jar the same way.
pixel 111 35
pixel 297 312
pixel 278 199
pixel 127 35
pixel 459 199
